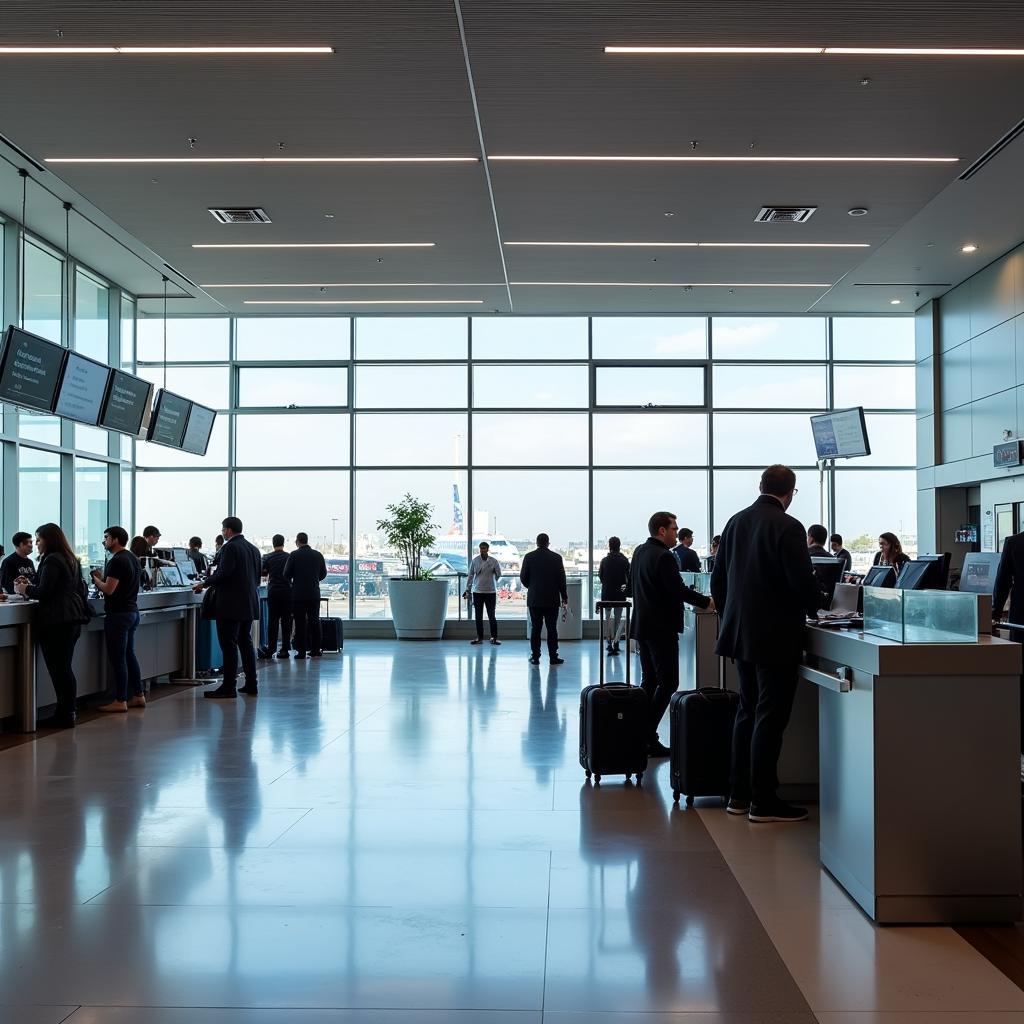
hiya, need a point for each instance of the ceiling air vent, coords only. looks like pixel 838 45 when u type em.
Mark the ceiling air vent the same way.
pixel 240 214
pixel 784 214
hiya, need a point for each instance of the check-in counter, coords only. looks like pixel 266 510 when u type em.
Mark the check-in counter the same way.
pixel 164 644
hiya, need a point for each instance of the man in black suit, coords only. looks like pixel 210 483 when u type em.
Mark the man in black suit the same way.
pixel 658 597
pixel 305 569
pixel 237 604
pixel 543 575
pixel 686 558
pixel 1010 584
pixel 764 588
pixel 279 600
pixel 835 542
pixel 816 537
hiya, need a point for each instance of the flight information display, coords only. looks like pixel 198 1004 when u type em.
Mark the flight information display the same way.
pixel 170 415
pixel 200 426
pixel 30 370
pixel 83 387
pixel 127 407
pixel 840 435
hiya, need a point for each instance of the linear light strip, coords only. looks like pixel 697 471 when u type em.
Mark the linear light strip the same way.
pixel 364 302
pixel 660 284
pixel 699 245
pixel 87 50
pixel 350 284
pixel 691 159
pixel 261 160
pixel 882 51
pixel 314 245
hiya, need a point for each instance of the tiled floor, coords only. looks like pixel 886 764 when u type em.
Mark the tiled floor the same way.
pixel 402 833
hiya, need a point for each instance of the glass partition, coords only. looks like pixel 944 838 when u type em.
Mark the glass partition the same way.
pixel 921 616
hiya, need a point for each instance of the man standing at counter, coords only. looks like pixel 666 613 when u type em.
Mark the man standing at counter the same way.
pixel 235 585
pixel 17 563
pixel 764 587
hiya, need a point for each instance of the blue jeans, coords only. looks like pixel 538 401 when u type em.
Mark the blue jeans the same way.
pixel 119 634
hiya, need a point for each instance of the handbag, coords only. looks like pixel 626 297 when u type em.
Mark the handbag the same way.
pixel 208 609
pixel 83 598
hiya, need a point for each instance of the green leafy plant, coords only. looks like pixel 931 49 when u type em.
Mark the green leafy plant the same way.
pixel 409 531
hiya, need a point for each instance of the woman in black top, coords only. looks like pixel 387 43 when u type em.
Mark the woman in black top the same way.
pixel 890 552
pixel 62 610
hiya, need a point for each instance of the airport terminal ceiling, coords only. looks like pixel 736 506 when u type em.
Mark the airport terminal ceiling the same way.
pixel 476 83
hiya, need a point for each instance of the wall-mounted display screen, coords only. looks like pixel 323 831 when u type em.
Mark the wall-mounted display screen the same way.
pixel 127 408
pixel 200 426
pixel 840 435
pixel 83 386
pixel 30 370
pixel 170 415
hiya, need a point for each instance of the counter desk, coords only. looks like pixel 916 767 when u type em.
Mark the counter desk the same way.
pixel 164 643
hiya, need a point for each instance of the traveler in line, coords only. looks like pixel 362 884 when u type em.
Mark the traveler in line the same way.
pixel 236 605
pixel 686 558
pixel 279 600
pixel 63 610
pixel 709 562
pixel 305 569
pixel 195 553
pixel 835 542
pixel 218 546
pixel 484 572
pixel 119 584
pixel 152 536
pixel 543 575
pixel 890 552
pixel 140 548
pixel 17 563
pixel 613 572
pixel 658 597
pixel 1010 584
pixel 817 535
pixel 764 588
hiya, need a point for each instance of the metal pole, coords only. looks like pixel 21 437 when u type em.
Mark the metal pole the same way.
pixel 190 635
pixel 26 679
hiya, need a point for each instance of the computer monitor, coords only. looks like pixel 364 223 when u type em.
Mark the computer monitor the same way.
pixel 914 575
pixel 829 572
pixel 979 572
pixel 937 577
pixel 880 576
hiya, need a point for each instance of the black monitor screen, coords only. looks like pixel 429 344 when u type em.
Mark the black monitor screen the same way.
pixel 913 576
pixel 82 389
pixel 829 572
pixel 200 426
pixel 30 370
pixel 127 407
pixel 880 576
pixel 170 414
pixel 840 435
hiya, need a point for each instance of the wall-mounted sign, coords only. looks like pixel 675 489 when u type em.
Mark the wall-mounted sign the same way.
pixel 1006 454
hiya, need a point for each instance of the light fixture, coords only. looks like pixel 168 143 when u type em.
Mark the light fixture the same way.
pixel 313 245
pixel 15 51
pixel 690 158
pixel 364 302
pixel 351 284
pixel 969 248
pixel 713 49
pixel 857 211
pixel 661 284
pixel 697 245
pixel 879 51
pixel 895 302
pixel 261 160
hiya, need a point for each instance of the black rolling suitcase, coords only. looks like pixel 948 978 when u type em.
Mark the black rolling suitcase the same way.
pixel 614 719
pixel 332 632
pixel 701 724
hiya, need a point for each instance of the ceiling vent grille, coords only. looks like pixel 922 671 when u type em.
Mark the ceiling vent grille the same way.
pixel 240 214
pixel 784 214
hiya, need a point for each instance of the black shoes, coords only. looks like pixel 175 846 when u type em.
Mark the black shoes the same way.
pixel 735 806
pixel 478 640
pixel 224 691
pixel 263 654
pixel 316 654
pixel 495 642
pixel 252 691
pixel 534 660
pixel 283 655
pixel 299 655
pixel 778 811
pixel 658 749
pixel 58 720
pixel 557 661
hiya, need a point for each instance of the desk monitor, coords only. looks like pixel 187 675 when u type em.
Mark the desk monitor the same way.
pixel 170 415
pixel 829 572
pixel 30 370
pixel 979 572
pixel 880 576
pixel 937 577
pixel 128 405
pixel 914 575
pixel 200 426
pixel 83 386
pixel 842 434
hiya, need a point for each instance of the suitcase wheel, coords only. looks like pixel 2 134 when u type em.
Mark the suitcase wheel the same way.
pixel 597 778
pixel 689 801
pixel 675 796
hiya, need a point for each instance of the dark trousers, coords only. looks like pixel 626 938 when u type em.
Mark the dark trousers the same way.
pixel 119 637
pixel 57 642
pixel 547 617
pixel 279 610
pixel 488 601
pixel 659 664
pixel 766 700
pixel 235 637
pixel 307 625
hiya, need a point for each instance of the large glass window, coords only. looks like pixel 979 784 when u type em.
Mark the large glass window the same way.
pixel 283 387
pixel 296 439
pixel 127 334
pixel 762 337
pixel 873 337
pixel 91 517
pixel 410 439
pixel 736 489
pixel 766 387
pixel 182 504
pixel 524 439
pixel 650 337
pixel 38 488
pixel 398 386
pixel 148 454
pixel 530 337
pixel 870 502
pixel 192 338
pixel 44 292
pixel 874 387
pixel 406 338
pixel 92 317
pixel 207 385
pixel 649 385
pixel 760 439
pixel 650 439
pixel 323 338
pixel 530 386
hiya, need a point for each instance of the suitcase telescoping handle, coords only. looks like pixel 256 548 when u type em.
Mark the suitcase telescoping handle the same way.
pixel 602 607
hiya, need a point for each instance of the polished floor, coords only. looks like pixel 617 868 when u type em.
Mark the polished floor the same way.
pixel 402 833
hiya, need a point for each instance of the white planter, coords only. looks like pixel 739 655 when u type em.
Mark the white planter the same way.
pixel 418 608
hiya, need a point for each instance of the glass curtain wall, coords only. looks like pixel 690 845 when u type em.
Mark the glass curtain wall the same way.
pixel 510 426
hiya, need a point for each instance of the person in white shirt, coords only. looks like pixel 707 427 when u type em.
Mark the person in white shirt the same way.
pixel 484 572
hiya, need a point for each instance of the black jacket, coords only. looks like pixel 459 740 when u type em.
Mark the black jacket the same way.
pixel 61 594
pixel 658 592
pixel 543 575
pixel 13 566
pixel 614 576
pixel 273 568
pixel 686 558
pixel 763 585
pixel 901 559
pixel 1010 582
pixel 236 581
pixel 305 569
pixel 846 558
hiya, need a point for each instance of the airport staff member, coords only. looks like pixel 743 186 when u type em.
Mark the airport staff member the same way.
pixel 658 597
pixel 764 588
pixel 835 542
pixel 305 569
pixel 195 553
pixel 816 537
pixel 890 552
pixel 686 558
pixel 236 605
pixel 17 563
pixel 484 573
pixel 543 575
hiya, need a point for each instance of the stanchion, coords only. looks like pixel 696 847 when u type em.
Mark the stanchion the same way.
pixel 190 636
pixel 26 679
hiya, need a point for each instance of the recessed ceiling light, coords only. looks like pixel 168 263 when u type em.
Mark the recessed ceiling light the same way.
pixel 692 159
pixel 364 302
pixel 895 302
pixel 699 245
pixel 881 51
pixel 857 211
pixel 670 213
pixel 659 284
pixel 350 284
pixel 135 50
pixel 969 247
pixel 313 245
pixel 262 160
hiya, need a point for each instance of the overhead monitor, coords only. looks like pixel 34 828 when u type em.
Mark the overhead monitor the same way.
pixel 842 434
pixel 30 370
pixel 170 416
pixel 128 405
pixel 880 576
pixel 83 386
pixel 198 430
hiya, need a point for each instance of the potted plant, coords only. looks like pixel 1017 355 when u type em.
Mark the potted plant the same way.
pixel 419 603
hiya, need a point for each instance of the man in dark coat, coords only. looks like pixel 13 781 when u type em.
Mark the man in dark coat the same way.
pixel 764 588
pixel 1010 584
pixel 543 575
pixel 658 596
pixel 305 569
pixel 613 573
pixel 237 604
